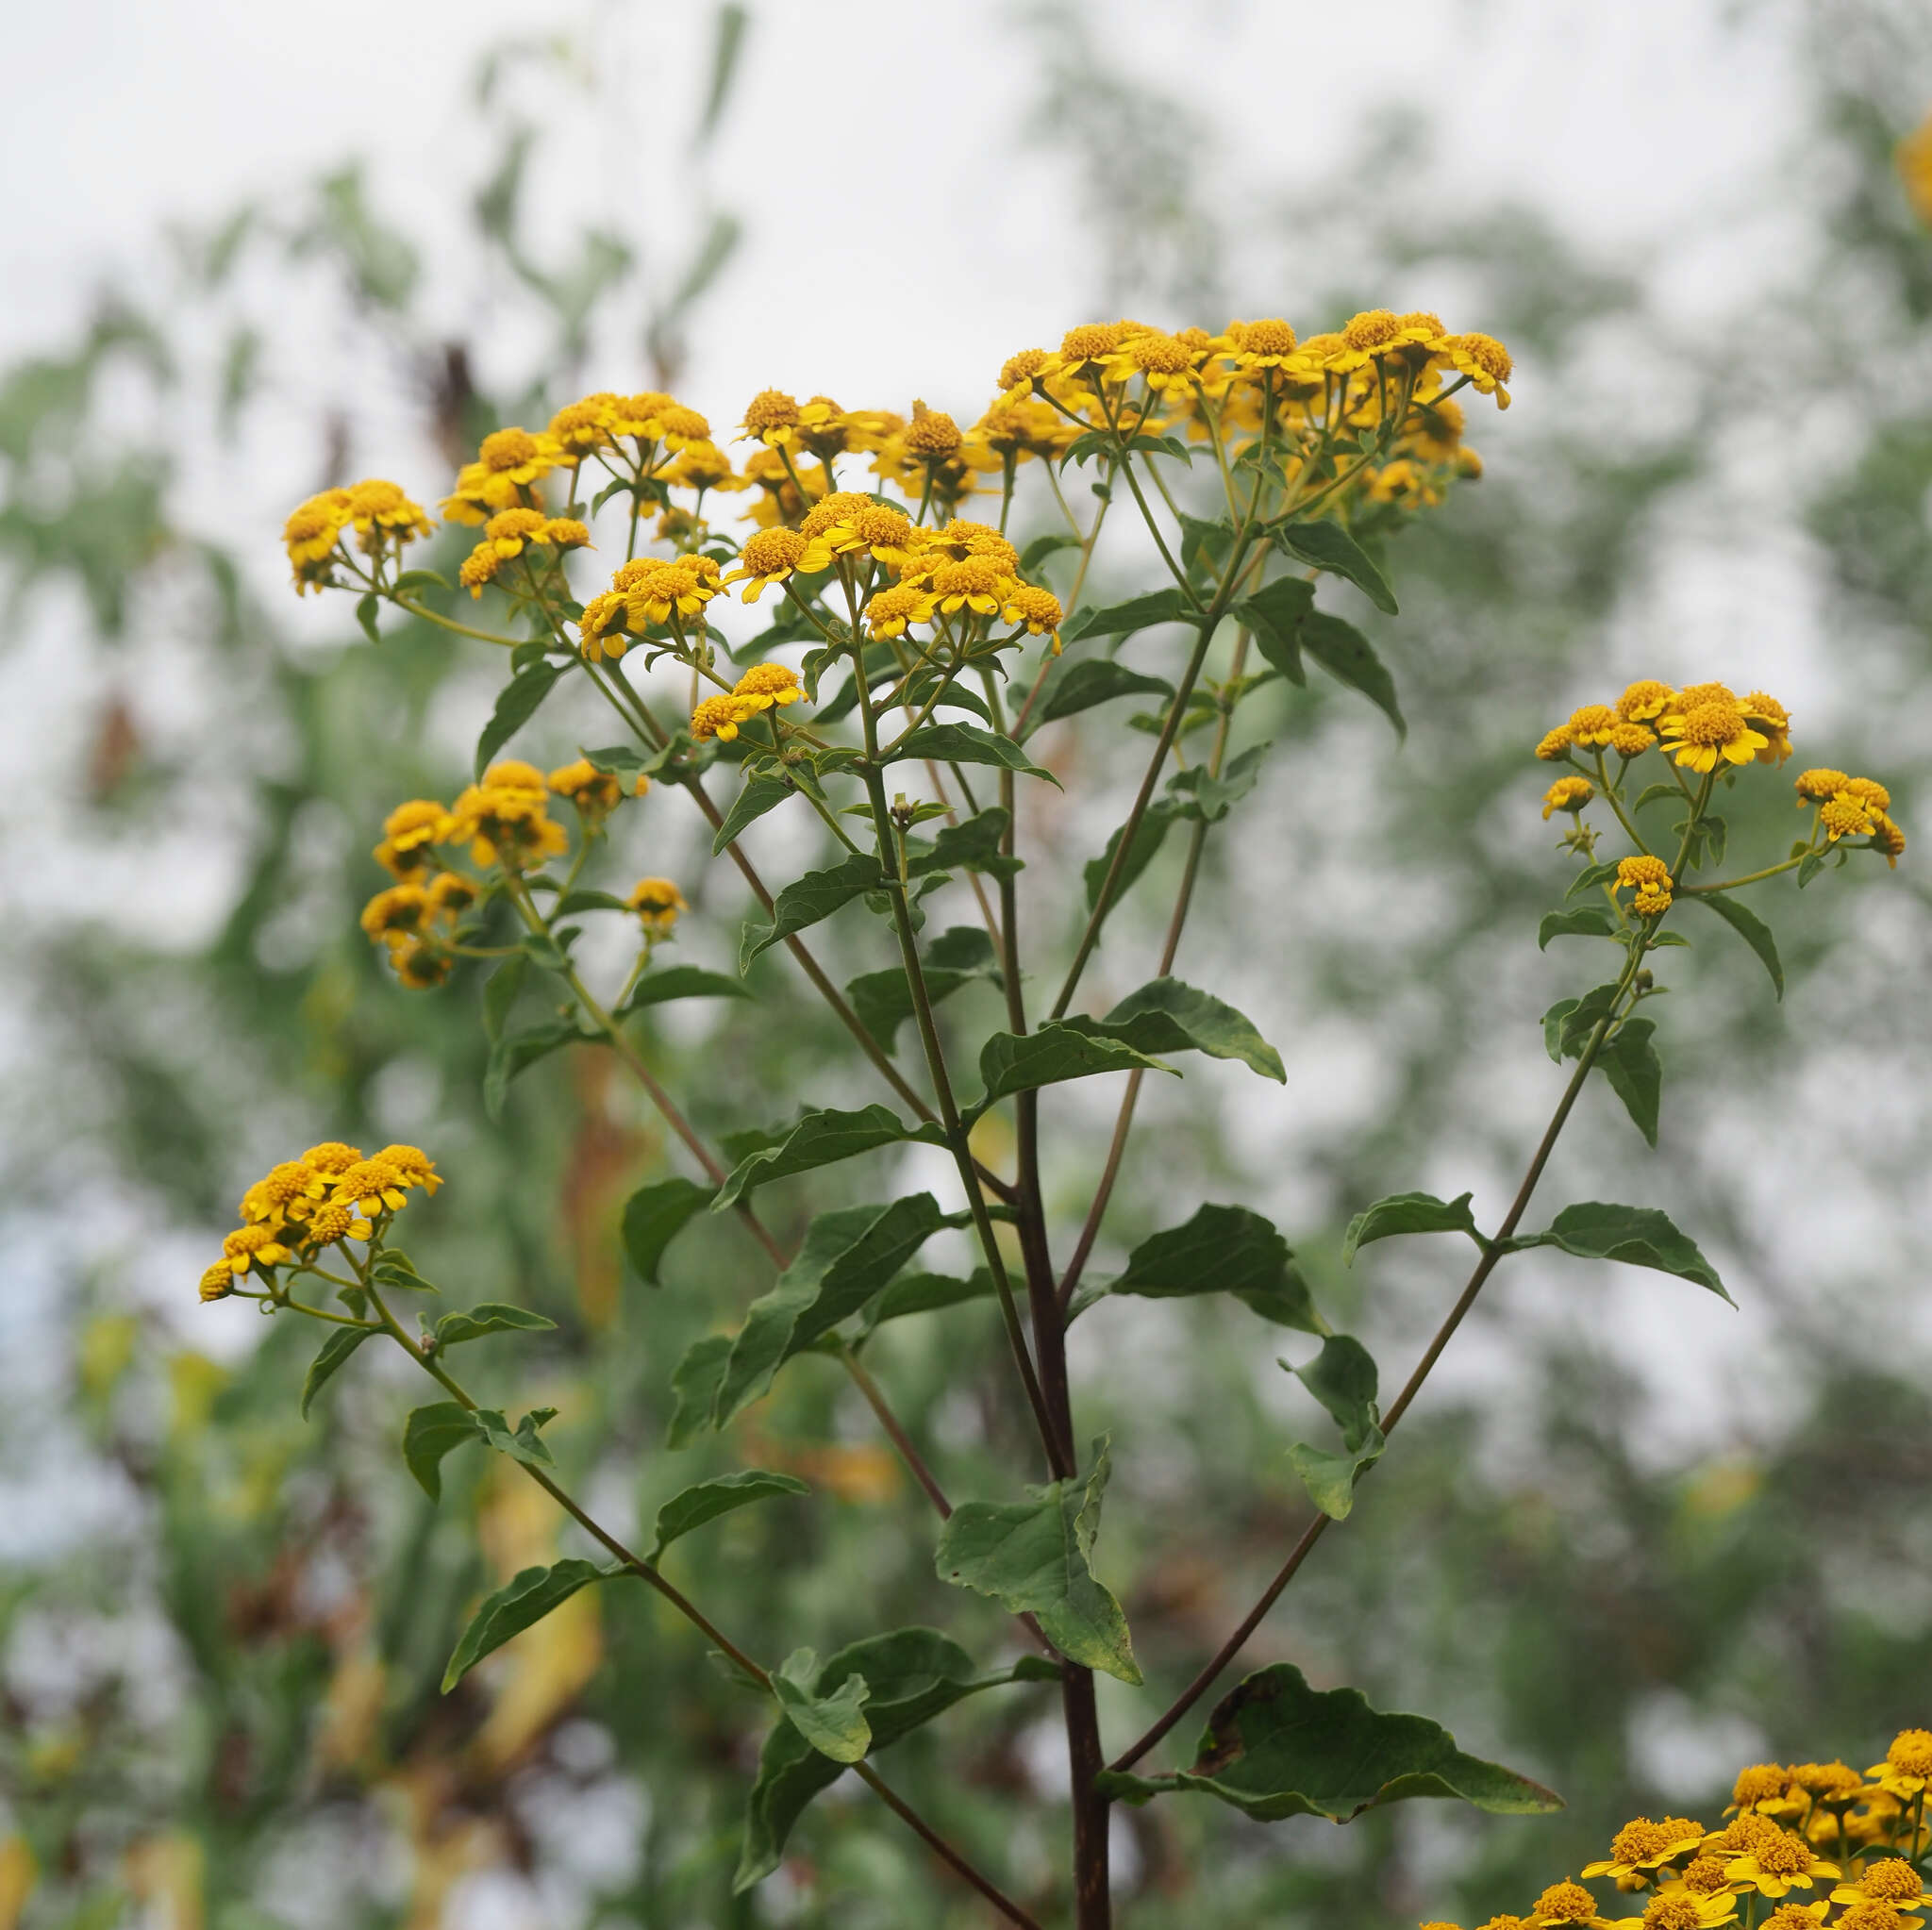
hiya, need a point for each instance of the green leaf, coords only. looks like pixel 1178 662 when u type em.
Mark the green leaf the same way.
pixel 1042 547
pixel 341 1343
pixel 846 1256
pixel 516 704
pixel 1330 1478
pixel 1223 1250
pixel 1274 614
pixel 1809 869
pixel 1060 1049
pixel 500 993
pixel 653 1218
pixel 1748 927
pixel 1591 878
pixel 1652 792
pixel 429 1435
pixel 1149 835
pixel 1347 656
pixel 1199 794
pixel 972 845
pixel 1166 1015
pixel 412 580
pixel 923 1293
pixel 1586 921
pixel 756 796
pixel 392 1269
pixel 366 607
pixel 520 1443
pixel 489 1317
pixel 581 900
pixel 1275 1748
pixel 527 1598
pixel 1639 1236
pixel 1033 1556
pixel 1568 1022
pixel 967 743
pixel 515 1051
pixel 816 895
pixel 821 1138
pixel 707 1499
pixel 1343 1377
pixel 694 1384
pixel 1636 1073
pixel 1328 547
pixel 1122 619
pixel 1078 683
pixel 834 1724
pixel 663 983
pixel 883 1000
pixel 914 1675
pixel 1407 1213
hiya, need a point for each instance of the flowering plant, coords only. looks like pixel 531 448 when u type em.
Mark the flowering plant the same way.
pixel 902 704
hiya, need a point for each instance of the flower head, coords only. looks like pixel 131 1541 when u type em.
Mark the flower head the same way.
pixel 768 558
pixel 1650 877
pixel 1596 723
pixel 595 793
pixel 1886 1880
pixel 1565 1902
pixel 766 684
pixel 311 535
pixel 1763 1783
pixel 409 834
pixel 1907 1769
pixel 1711 731
pixel 1644 701
pixel 657 903
pixel 719 716
pixel 1554 745
pixel 1483 359
pixel 932 434
pixel 772 417
pixel 1778 1861
pixel 218 1281
pixel 1765 714
pixel 890 610
pixel 1567 794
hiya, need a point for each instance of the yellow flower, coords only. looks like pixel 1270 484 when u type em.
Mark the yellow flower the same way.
pixel 1875 1916
pixel 1018 371
pixel 1568 794
pixel 218 1281
pixel 1814 786
pixel 1890 839
pixel 1039 610
pixel 1506 1921
pixel 1087 348
pixel 1885 1880
pixel 379 510
pixel 1644 701
pixel 595 793
pixel 656 592
pixel 1777 1863
pixel 372 1186
pixel 1483 359
pixel 1868 792
pixel 1022 427
pixel 1704 1877
pixel 479 568
pixel 1650 877
pixel 975 583
pixel 566 533
pixel 768 558
pixel 1269 343
pixel 408 832
pixel 395 914
pixel 932 435
pixel 1161 360
pixel 1712 732
pixel 657 903
pixel 1596 723
pixel 505 820
pixel 765 684
pixel 1567 1902
pixel 1632 739
pixel 281 1190
pixel 1555 744
pixel 507 464
pixel 1843 815
pixel 1683 1912
pixel 421 968
pixel 1766 714
pixel 772 417
pixel 581 426
pixel 890 610
pixel 1798 1917
pixel 719 716
pixel 1641 1845
pixel 1907 1769
pixel 1913 159
pixel 329 1223
pixel 451 892
pixel 702 465
pixel 600 629
pixel 332 1155
pixel 254 1245
pixel 311 535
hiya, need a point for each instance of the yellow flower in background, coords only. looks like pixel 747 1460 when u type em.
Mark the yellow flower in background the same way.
pixel 380 511
pixel 507 464
pixel 1642 1846
pixel 409 834
pixel 1766 714
pixel 1596 723
pixel 311 535
pixel 1885 1880
pixel 932 435
pixel 396 914
pixel 1815 787
pixel 218 1281
pixel 1568 794
pixel 1912 157
pixel 580 427
pixel 1644 701
pixel 1907 1769
pixel 595 793
pixel 1555 744
pixel 1484 360
pixel 1759 1786
pixel 702 465
pixel 657 903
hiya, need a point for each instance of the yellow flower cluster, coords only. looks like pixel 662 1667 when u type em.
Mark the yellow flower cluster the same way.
pixel 1853 808
pixel 509 463
pixel 1808 1844
pixel 509 533
pixel 1703 727
pixel 377 512
pixel 764 686
pixel 298 1208
pixel 646 590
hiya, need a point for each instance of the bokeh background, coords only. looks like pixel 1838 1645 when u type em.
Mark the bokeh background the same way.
pixel 1631 1540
